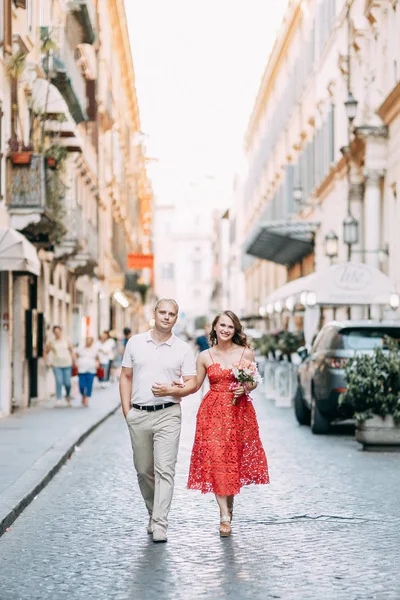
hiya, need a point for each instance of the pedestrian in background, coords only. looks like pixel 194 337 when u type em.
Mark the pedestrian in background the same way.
pixel 106 351
pixel 87 358
pixel 202 341
pixel 151 407
pixel 60 352
pixel 127 333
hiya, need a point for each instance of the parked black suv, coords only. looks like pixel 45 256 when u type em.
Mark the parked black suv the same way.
pixel 321 376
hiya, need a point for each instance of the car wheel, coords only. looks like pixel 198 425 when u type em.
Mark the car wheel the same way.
pixel 301 410
pixel 319 423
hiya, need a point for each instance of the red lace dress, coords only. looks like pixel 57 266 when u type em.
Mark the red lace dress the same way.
pixel 227 452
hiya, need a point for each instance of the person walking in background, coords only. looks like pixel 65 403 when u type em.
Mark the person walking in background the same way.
pixel 227 452
pixel 127 334
pixel 87 358
pixel 60 352
pixel 202 340
pixel 106 351
pixel 150 404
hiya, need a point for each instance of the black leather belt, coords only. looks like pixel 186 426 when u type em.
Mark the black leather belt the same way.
pixel 153 407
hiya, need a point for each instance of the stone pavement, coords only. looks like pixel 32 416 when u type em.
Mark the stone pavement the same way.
pixel 35 442
pixel 327 527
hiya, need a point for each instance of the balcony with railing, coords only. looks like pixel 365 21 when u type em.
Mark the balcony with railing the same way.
pixel 79 246
pixel 35 199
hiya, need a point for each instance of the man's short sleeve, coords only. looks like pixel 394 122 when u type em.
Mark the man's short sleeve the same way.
pixel 189 364
pixel 127 359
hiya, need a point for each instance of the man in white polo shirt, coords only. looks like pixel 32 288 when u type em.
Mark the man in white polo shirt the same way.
pixel 151 405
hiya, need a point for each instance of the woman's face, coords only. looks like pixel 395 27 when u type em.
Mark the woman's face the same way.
pixel 89 342
pixel 224 329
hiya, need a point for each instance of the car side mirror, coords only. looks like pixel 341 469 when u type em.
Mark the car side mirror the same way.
pixel 302 352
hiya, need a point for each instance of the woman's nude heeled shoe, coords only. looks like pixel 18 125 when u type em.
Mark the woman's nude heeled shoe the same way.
pixel 225 529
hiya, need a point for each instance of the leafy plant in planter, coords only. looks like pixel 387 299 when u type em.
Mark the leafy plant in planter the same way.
pixel 373 385
pixel 20 153
pixel 288 342
pixel 55 155
pixel 266 345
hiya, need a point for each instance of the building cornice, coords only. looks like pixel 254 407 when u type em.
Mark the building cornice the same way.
pixel 122 43
pixel 290 22
pixel 390 108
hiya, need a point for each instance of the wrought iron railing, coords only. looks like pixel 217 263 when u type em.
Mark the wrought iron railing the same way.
pixel 28 184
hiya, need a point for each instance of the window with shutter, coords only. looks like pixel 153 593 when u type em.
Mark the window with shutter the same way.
pixel 91 99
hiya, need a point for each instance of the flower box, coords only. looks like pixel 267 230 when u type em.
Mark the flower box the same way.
pixel 378 432
pixel 21 158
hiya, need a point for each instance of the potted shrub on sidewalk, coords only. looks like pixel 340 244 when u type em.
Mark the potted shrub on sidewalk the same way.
pixel 373 393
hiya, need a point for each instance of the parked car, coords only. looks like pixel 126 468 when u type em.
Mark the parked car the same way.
pixel 321 379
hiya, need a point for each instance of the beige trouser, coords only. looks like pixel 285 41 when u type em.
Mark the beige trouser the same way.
pixel 155 443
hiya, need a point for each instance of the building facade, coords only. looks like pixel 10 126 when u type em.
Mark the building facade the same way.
pixel 183 257
pixel 311 165
pixel 74 195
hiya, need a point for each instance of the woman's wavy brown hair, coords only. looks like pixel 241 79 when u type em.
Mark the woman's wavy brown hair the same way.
pixel 239 336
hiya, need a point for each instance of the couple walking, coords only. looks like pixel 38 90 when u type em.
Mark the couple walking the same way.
pixel 158 370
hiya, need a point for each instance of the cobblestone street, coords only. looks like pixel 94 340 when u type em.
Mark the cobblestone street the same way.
pixel 327 527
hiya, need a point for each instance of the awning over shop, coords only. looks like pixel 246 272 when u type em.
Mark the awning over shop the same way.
pixel 345 284
pixel 283 242
pixel 16 253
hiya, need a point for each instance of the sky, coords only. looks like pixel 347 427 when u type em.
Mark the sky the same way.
pixel 198 66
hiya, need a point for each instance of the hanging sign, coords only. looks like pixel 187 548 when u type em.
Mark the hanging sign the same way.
pixel 139 261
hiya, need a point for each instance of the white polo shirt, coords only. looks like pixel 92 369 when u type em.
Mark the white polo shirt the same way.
pixel 156 363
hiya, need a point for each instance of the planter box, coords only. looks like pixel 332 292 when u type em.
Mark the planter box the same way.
pixel 378 432
pixel 21 158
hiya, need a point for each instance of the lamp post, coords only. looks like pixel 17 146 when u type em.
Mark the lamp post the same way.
pixel 331 245
pixel 351 107
pixel 350 230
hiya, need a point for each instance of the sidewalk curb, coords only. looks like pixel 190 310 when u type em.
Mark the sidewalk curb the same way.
pixel 27 487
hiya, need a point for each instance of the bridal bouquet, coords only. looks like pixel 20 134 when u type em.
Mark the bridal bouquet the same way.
pixel 244 372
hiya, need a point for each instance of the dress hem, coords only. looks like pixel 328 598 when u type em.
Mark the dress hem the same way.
pixel 201 489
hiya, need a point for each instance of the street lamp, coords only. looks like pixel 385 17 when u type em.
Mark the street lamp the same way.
pixel 350 230
pixel 351 107
pixel 331 245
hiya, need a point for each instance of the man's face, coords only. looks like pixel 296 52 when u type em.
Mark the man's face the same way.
pixel 165 317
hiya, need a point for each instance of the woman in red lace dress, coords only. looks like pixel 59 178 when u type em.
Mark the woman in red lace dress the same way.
pixel 227 452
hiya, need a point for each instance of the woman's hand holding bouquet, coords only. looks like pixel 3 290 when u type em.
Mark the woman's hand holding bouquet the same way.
pixel 247 377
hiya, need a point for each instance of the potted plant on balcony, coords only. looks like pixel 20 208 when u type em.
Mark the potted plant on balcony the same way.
pixel 373 394
pixel 55 155
pixel 20 153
